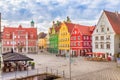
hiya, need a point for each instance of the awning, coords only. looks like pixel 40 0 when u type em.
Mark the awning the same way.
pixel 89 53
pixel 100 53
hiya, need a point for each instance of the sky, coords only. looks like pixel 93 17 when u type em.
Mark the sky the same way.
pixel 44 12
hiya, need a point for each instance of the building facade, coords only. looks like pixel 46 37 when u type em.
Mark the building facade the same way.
pixel 64 37
pixel 106 36
pixel 81 40
pixel 47 42
pixel 19 39
pixel 54 38
pixel 42 43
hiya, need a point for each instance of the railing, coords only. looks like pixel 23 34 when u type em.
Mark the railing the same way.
pixel 22 74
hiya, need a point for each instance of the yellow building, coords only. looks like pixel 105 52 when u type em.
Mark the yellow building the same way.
pixel 64 37
pixel 42 42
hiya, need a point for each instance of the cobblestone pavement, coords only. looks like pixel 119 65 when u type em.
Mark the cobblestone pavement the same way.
pixel 80 69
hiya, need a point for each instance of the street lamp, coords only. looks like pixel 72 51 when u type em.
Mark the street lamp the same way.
pixel 70 64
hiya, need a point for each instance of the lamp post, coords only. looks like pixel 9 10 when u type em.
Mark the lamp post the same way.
pixel 70 63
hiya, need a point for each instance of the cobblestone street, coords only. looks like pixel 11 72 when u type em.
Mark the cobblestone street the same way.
pixel 80 69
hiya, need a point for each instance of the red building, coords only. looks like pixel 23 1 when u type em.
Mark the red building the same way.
pixel 20 39
pixel 81 39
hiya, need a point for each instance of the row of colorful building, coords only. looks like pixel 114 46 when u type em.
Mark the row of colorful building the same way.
pixel 104 38
pixel 67 37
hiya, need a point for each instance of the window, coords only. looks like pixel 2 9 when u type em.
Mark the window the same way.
pixel 75 32
pixel 84 37
pixel 107 29
pixel 96 38
pixel 90 37
pixel 7 42
pixel 15 49
pixel 102 46
pixel 74 43
pixel 108 37
pixel 87 43
pixel 18 36
pixel 68 45
pixel 7 49
pixel 84 43
pixel 102 29
pixel 96 46
pixel 108 45
pixel 24 49
pixel 78 43
pixel 11 43
pixel 71 43
pixel 4 49
pixel 87 37
pixel 74 38
pixel 96 30
pixel 4 42
pixel 15 37
pixel 102 37
pixel 78 37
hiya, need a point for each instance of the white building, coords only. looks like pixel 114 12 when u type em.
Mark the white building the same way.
pixel 106 36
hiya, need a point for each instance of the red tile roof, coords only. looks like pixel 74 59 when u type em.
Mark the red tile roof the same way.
pixel 10 30
pixel 70 26
pixel 114 19
pixel 57 28
pixel 85 30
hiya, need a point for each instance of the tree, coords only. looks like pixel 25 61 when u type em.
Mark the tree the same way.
pixel 68 19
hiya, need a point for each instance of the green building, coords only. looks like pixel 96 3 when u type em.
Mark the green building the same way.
pixel 53 39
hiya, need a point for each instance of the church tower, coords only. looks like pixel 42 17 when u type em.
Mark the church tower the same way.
pixel 32 23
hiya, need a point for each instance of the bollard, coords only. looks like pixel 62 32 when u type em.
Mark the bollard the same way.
pixel 57 72
pixel 37 71
pixel 63 74
pixel 15 74
pixel 51 71
pixel 27 72
pixel 46 71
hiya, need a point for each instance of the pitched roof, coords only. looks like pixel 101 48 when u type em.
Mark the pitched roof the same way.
pixel 70 26
pixel 10 30
pixel 57 28
pixel 42 35
pixel 13 56
pixel 114 19
pixel 85 30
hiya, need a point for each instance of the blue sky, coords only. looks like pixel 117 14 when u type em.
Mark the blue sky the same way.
pixel 43 12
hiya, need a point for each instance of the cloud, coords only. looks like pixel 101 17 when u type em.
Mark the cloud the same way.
pixel 43 12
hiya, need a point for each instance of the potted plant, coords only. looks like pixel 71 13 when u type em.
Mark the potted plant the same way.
pixel 33 65
pixel 30 63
